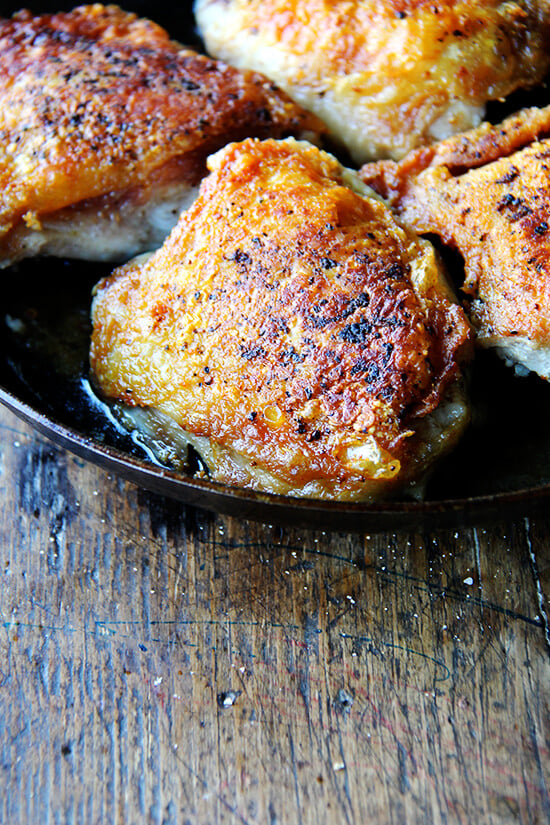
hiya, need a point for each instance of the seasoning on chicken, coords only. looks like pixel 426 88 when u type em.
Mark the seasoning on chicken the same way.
pixel 487 194
pixel 304 341
pixel 105 126
pixel 386 77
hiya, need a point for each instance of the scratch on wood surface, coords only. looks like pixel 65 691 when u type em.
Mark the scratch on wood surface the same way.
pixel 390 678
pixel 364 642
pixel 536 577
pixel 390 576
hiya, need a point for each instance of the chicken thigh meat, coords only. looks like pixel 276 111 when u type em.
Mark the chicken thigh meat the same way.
pixel 302 340
pixel 386 77
pixel 105 126
pixel 486 194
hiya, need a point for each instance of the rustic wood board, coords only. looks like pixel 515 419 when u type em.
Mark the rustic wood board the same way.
pixel 162 664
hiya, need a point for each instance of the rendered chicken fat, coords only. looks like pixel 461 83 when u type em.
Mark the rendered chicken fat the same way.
pixel 303 340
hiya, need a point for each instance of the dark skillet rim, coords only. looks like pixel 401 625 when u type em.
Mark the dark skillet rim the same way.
pixel 277 509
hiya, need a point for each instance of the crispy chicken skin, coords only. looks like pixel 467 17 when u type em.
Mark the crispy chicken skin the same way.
pixel 386 77
pixel 487 194
pixel 105 126
pixel 307 342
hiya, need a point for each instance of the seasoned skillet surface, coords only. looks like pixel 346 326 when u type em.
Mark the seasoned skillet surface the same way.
pixel 503 462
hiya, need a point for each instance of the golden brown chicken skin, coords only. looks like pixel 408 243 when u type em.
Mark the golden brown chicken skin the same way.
pixel 307 342
pixel 487 194
pixel 386 77
pixel 105 125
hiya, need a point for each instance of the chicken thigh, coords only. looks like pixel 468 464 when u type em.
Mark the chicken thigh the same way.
pixel 386 77
pixel 301 339
pixel 105 126
pixel 487 194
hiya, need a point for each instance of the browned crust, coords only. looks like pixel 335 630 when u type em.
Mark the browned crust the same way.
pixel 345 29
pixel 97 100
pixel 468 150
pixel 387 77
pixel 487 194
pixel 282 289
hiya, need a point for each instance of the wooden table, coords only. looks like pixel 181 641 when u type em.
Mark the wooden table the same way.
pixel 162 664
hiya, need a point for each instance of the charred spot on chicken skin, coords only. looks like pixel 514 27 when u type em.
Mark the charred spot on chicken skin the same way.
pixel 105 127
pixel 486 194
pixel 301 339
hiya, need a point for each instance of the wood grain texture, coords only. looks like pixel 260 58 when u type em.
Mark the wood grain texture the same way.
pixel 162 664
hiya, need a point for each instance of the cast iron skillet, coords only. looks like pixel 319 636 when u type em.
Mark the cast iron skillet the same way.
pixel 501 468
